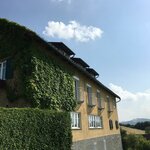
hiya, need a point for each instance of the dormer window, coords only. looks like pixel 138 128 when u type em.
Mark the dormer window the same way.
pixel 3 70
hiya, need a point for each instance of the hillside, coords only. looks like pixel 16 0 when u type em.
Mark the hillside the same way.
pixel 132 131
pixel 135 121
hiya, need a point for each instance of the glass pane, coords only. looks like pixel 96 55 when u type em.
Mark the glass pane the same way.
pixel 78 120
pixel 89 91
pixel 77 90
pixel 98 122
pixel 3 70
pixel 94 121
pixel 99 99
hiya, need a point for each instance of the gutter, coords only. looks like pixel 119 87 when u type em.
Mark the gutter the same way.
pixel 118 100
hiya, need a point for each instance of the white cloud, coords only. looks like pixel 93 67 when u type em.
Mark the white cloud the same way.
pixel 132 105
pixel 68 1
pixel 73 30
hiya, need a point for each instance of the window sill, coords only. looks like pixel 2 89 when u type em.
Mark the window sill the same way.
pixel 80 101
pixel 91 105
pixel 100 108
pixel 110 111
pixel 92 128
pixel 75 128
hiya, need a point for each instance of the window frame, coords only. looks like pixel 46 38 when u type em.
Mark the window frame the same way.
pixel 3 70
pixel 89 95
pixel 75 120
pixel 95 122
pixel 114 103
pixel 117 124
pixel 109 105
pixel 100 102
pixel 111 126
pixel 77 89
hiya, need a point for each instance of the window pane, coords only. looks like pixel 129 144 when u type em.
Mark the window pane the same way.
pixel 114 103
pixel 77 89
pixel 89 92
pixel 78 120
pixel 98 121
pixel 110 124
pixel 99 100
pixel 4 70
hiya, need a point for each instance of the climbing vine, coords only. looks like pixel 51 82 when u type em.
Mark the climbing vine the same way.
pixel 44 82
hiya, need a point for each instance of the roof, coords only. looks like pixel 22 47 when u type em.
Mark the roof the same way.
pixel 62 47
pixel 92 71
pixel 80 61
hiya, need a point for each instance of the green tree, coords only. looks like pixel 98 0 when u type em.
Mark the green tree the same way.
pixel 134 142
pixel 147 130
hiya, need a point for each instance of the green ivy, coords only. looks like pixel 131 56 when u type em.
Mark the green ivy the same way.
pixel 44 82
pixel 34 129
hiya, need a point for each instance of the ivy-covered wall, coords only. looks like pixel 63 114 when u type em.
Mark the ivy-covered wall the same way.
pixel 39 78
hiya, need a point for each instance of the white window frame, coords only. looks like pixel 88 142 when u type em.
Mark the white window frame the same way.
pixel 95 121
pixel 75 120
pixel 3 70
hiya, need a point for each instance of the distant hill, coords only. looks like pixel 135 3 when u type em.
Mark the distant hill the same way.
pixel 135 121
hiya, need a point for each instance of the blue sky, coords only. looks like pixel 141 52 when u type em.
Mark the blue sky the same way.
pixel 121 54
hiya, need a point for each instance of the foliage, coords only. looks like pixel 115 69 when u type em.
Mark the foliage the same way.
pixel 139 125
pixel 49 85
pixel 134 142
pixel 32 129
pixel 147 130
pixel 41 79
pixel 142 125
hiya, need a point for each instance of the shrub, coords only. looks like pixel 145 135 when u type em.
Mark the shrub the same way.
pixel 134 142
pixel 34 129
pixel 147 130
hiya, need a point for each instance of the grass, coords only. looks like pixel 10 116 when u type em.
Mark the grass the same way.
pixel 132 131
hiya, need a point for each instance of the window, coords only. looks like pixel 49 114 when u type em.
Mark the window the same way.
pixel 114 103
pixel 77 88
pixel 109 104
pixel 99 100
pixel 110 124
pixel 89 95
pixel 95 121
pixel 3 70
pixel 117 124
pixel 75 120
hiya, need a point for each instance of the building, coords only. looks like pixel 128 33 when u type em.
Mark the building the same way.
pixel 35 73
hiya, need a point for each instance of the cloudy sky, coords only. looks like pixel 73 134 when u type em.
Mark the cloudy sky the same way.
pixel 112 36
